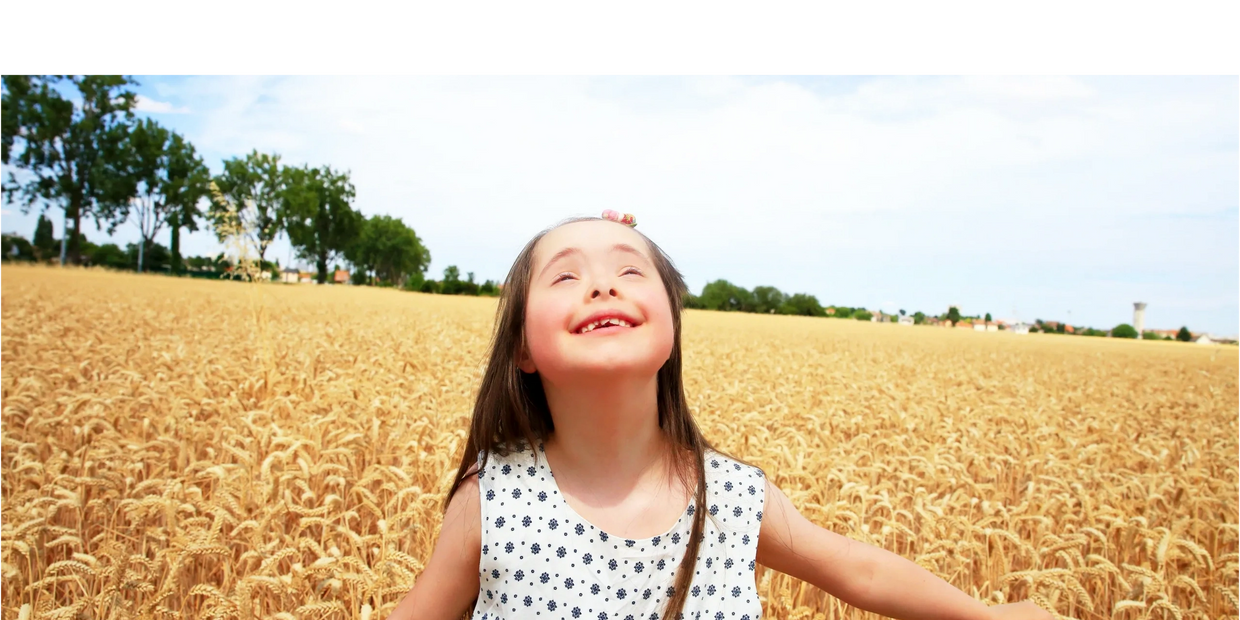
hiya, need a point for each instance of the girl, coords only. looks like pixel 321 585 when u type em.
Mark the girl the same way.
pixel 587 490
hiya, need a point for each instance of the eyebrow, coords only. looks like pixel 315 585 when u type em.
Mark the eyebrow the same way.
pixel 619 247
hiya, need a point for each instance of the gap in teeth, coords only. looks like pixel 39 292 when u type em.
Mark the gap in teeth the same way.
pixel 596 324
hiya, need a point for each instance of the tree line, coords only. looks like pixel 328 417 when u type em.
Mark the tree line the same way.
pixel 88 155
pixel 725 296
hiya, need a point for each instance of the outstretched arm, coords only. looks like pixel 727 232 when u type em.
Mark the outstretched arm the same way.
pixel 866 576
pixel 449 583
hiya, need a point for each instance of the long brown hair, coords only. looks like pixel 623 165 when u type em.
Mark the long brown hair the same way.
pixel 511 408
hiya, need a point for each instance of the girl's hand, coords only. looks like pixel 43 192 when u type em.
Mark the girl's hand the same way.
pixel 1023 610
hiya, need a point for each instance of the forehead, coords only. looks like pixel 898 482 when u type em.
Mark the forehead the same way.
pixel 589 236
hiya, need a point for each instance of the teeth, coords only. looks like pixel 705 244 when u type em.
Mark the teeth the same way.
pixel 608 321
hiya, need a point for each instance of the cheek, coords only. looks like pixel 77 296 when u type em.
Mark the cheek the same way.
pixel 663 333
pixel 544 322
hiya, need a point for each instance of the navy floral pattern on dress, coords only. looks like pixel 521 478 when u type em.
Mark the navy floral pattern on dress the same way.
pixel 540 559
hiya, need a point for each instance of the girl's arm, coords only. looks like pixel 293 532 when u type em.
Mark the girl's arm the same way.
pixel 865 576
pixel 449 583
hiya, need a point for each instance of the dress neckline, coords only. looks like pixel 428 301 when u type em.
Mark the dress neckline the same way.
pixel 688 510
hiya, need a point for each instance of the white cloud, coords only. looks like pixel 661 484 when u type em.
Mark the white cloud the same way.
pixel 145 104
pixel 1046 194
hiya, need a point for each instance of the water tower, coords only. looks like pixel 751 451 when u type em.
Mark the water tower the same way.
pixel 1138 317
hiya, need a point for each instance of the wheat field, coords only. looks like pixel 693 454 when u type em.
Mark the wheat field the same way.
pixel 178 448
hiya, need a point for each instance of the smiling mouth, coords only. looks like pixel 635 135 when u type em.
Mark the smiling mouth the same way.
pixel 604 324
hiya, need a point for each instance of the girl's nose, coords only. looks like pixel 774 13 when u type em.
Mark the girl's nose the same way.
pixel 596 293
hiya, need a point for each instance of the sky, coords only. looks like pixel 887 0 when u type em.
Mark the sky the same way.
pixel 1060 198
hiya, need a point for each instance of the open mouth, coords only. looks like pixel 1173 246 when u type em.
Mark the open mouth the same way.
pixel 606 324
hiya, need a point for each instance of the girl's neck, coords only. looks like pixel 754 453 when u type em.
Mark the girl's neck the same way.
pixel 607 431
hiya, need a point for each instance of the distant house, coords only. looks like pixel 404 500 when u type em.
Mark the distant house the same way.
pixel 341 276
pixel 830 311
pixel 981 327
pixel 992 327
pixel 1069 329
pixel 964 325
pixel 1204 339
pixel 305 277
pixel 906 320
pixel 289 275
pixel 1020 328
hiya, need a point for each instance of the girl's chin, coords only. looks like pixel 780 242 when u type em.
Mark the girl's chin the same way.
pixel 606 368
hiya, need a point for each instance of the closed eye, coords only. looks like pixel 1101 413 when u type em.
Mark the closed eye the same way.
pixel 561 277
pixel 628 270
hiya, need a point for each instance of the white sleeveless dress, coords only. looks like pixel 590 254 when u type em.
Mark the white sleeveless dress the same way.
pixel 540 559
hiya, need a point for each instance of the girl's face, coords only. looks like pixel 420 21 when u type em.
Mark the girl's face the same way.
pixel 596 304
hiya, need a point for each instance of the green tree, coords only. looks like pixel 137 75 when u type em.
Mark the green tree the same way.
pixel 953 315
pixel 255 184
pixel 1184 335
pixel 155 254
pixel 988 319
pixel 109 255
pixel 919 318
pixel 170 181
pixel 388 249
pixel 44 240
pixel 803 305
pixel 70 148
pixel 723 295
pixel 861 314
pixel 318 216
pixel 1124 330
pixel 767 299
pixel 188 183
pixel 16 247
pixel 451 284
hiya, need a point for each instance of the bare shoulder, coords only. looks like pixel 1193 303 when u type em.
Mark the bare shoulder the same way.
pixel 779 517
pixel 792 544
pixel 465 509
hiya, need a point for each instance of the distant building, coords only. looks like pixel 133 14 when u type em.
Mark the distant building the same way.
pixel 980 327
pixel 992 327
pixel 289 275
pixel 906 320
pixel 341 276
pixel 1020 328
pixel 305 277
pixel 1204 339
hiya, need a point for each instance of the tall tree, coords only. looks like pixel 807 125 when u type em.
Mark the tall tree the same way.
pixel 69 148
pixel 44 241
pixel 147 158
pixel 389 249
pixel 317 215
pixel 171 181
pixel 255 184
pixel 189 182
pixel 1184 335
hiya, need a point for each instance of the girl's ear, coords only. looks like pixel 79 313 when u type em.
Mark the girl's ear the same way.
pixel 524 362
